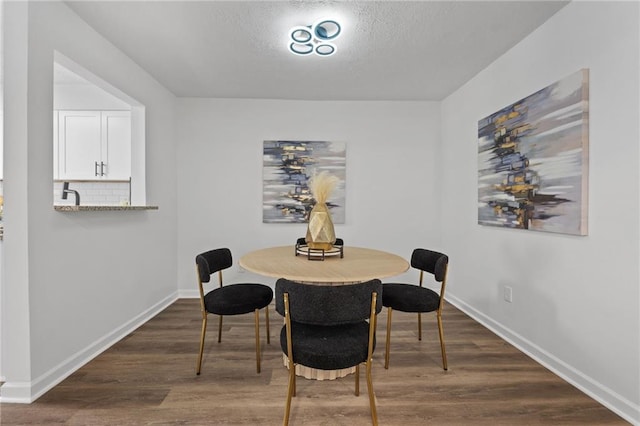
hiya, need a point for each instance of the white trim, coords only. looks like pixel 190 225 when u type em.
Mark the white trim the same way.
pixel 27 392
pixel 18 392
pixel 607 397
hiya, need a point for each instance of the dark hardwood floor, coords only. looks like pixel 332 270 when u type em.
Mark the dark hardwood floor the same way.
pixel 149 378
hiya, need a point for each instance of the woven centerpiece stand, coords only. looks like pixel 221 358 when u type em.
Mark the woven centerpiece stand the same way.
pixel 319 254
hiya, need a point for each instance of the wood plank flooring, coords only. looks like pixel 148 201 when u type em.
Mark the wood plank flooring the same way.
pixel 149 378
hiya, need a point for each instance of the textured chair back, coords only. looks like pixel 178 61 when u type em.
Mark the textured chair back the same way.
pixel 328 305
pixel 213 261
pixel 430 261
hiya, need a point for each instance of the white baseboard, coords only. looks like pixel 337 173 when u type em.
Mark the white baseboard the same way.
pixel 610 399
pixel 27 392
pixel 17 392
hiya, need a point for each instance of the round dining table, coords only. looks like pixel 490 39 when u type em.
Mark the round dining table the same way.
pixel 354 265
pixel 350 266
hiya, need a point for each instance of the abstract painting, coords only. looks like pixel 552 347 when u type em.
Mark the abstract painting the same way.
pixel 287 168
pixel 533 160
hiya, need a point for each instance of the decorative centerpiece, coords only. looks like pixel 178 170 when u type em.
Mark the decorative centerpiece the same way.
pixel 321 234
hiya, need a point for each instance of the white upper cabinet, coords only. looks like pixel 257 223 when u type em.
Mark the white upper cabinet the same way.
pixel 79 150
pixel 93 145
pixel 116 144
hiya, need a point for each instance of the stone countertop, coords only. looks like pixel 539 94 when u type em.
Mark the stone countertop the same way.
pixel 102 208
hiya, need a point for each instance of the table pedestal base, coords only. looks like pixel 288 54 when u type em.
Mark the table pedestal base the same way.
pixel 315 374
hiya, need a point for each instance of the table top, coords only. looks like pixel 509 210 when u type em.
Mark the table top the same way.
pixel 358 265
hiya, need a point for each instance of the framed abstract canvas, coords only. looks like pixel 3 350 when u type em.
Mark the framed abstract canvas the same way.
pixel 287 168
pixel 533 160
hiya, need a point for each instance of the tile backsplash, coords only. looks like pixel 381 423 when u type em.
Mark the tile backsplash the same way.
pixel 91 193
pixel 94 193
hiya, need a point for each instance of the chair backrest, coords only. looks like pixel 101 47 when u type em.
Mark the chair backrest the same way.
pixel 213 261
pixel 430 261
pixel 328 305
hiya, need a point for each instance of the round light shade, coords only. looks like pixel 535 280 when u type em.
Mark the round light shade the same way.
pixel 301 34
pixel 327 29
pixel 325 49
pixel 301 48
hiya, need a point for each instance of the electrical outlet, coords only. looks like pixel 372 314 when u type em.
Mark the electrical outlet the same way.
pixel 508 294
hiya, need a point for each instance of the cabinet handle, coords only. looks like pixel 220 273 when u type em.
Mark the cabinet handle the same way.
pixel 95 168
pixel 102 168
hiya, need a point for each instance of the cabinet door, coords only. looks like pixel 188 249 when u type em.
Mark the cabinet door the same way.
pixel 79 144
pixel 116 144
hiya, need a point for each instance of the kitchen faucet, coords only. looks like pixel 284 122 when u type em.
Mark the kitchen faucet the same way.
pixel 66 191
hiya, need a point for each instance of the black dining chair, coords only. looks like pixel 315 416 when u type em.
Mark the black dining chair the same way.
pixel 416 298
pixel 232 299
pixel 329 328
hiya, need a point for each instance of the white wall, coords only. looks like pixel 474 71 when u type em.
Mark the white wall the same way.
pixel 575 299
pixel 75 283
pixel 85 96
pixel 392 183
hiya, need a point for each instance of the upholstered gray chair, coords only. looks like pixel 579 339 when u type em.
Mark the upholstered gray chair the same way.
pixel 329 328
pixel 233 299
pixel 416 298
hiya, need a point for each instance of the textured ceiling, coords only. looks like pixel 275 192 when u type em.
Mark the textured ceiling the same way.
pixel 388 50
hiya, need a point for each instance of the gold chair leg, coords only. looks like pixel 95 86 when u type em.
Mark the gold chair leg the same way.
pixel 220 329
pixel 358 380
pixel 294 380
pixel 419 326
pixel 441 333
pixel 266 311
pixel 202 333
pixel 257 316
pixel 372 401
pixel 386 350
pixel 290 392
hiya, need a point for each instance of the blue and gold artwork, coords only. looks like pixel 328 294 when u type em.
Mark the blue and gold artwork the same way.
pixel 533 160
pixel 287 168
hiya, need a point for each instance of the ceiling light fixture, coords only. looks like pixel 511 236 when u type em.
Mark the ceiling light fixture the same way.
pixel 316 38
